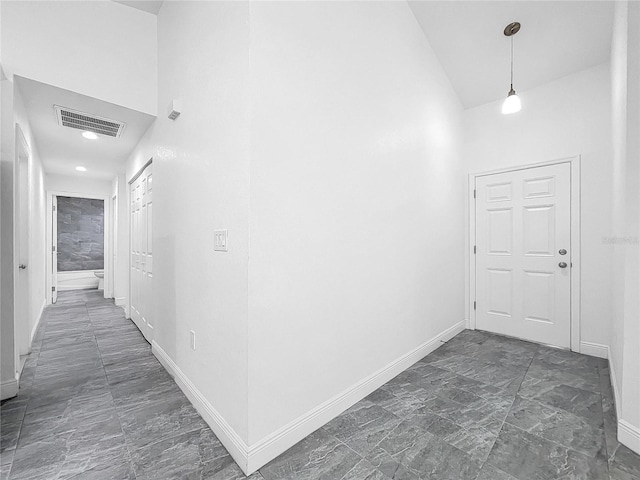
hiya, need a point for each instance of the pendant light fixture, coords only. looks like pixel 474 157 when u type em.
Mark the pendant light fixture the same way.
pixel 512 103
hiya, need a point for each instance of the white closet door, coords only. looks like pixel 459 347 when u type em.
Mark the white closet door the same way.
pixel 141 252
pixel 146 255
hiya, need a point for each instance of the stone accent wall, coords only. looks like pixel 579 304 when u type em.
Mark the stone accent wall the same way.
pixel 80 234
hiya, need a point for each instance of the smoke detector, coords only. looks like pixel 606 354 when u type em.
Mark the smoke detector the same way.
pixel 68 117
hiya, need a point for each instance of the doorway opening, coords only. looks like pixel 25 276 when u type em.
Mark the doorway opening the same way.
pixel 79 234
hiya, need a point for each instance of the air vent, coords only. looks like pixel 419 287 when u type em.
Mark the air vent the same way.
pixel 86 121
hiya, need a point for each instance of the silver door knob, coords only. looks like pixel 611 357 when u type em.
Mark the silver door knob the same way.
pixel 562 265
pixel 22 266
pixel 562 251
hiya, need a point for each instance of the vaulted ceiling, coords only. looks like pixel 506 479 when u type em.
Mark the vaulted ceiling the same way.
pixel 151 6
pixel 557 38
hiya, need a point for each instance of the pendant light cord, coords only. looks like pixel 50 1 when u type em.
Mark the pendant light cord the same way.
pixel 511 62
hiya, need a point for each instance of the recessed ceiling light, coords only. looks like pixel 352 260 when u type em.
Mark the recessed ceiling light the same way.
pixel 81 169
pixel 90 135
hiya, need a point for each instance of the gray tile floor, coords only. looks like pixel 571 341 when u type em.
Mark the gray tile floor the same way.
pixel 94 403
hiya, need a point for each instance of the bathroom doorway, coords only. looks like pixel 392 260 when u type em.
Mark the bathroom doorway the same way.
pixel 79 239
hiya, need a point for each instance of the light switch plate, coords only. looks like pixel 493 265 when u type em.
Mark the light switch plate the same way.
pixel 220 240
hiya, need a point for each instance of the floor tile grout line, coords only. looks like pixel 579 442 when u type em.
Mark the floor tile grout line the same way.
pixel 515 395
pixel 109 387
pixel 130 447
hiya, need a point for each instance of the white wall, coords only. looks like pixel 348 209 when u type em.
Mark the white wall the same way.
pixel 13 112
pixel 356 192
pixel 618 213
pixel 561 119
pixel 625 332
pixel 357 201
pixel 89 186
pixel 8 360
pixel 631 370
pixel 36 262
pixel 111 55
pixel 201 182
pixel 121 290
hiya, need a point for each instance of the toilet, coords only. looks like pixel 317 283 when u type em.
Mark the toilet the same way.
pixel 100 275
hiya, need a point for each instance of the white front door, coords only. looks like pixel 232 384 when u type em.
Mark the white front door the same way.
pixel 141 252
pixel 523 254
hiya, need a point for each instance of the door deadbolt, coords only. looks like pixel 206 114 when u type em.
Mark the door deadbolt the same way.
pixel 562 265
pixel 562 251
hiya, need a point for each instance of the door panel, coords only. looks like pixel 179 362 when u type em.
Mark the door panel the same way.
pixel 523 219
pixel 141 256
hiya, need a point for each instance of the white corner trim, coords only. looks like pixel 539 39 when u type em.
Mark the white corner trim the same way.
pixel 279 441
pixel 9 388
pixel 629 435
pixel 225 433
pixel 594 349
pixel 121 301
pixel 614 384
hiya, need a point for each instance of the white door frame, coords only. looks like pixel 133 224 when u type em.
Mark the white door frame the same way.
pixel 110 288
pixel 574 163
pixel 50 241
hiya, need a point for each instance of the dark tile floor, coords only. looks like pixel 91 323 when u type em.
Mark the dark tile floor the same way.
pixel 94 403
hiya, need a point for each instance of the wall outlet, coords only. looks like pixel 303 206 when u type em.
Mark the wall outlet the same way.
pixel 193 339
pixel 220 240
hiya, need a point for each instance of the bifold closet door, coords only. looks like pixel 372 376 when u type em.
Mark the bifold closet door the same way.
pixel 141 260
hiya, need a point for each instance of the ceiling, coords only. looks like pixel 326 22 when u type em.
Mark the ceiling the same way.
pixel 61 149
pixel 151 6
pixel 557 38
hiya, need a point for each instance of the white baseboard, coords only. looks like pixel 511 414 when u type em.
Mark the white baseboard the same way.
pixel 225 433
pixel 77 280
pixel 9 388
pixel 121 301
pixel 37 324
pixel 279 441
pixel 594 349
pixel 251 458
pixel 629 435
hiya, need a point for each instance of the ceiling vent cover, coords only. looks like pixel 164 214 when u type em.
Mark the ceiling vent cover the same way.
pixel 87 121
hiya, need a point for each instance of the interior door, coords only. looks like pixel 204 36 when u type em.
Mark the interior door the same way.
pixel 523 254
pixel 22 284
pixel 141 252
pixel 54 249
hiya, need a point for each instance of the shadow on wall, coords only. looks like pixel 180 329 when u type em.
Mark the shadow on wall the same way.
pixel 80 234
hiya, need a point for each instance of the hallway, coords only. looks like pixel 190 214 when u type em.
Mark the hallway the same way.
pixel 94 403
